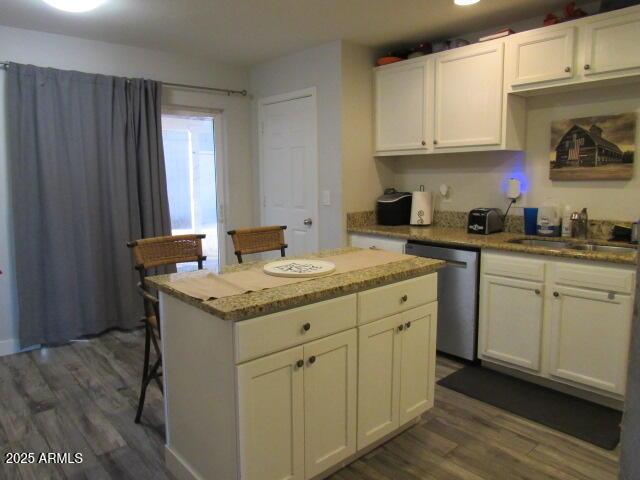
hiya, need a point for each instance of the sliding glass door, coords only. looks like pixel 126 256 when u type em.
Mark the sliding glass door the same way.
pixel 194 179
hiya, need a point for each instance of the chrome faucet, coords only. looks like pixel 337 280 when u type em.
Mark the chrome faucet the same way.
pixel 580 224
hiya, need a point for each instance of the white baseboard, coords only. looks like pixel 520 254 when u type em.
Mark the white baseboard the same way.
pixel 9 347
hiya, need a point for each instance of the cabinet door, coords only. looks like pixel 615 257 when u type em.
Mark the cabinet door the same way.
pixel 511 313
pixel 271 416
pixel 418 364
pixel 543 57
pixel 468 97
pixel 612 44
pixel 330 401
pixel 401 107
pixel 378 379
pixel 589 337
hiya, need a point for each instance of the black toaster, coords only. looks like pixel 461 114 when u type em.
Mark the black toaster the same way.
pixel 394 208
pixel 485 221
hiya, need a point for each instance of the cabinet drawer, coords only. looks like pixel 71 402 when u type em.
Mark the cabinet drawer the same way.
pixel 515 267
pixel 397 297
pixel 371 241
pixel 271 333
pixel 597 278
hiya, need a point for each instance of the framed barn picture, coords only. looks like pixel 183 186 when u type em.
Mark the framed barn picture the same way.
pixel 593 148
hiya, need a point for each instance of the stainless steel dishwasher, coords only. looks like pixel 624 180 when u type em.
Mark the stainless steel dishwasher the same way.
pixel 457 297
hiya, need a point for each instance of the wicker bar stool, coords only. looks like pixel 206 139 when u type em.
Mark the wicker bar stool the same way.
pixel 257 240
pixel 149 253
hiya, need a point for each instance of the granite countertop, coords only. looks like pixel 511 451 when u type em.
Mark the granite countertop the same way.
pixel 263 302
pixel 495 241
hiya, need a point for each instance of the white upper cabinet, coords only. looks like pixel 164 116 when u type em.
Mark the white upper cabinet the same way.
pixel 401 107
pixel 543 56
pixel 468 96
pixel 611 44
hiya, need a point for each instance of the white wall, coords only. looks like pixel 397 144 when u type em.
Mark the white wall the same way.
pixel 479 179
pixel 316 67
pixel 363 177
pixel 48 50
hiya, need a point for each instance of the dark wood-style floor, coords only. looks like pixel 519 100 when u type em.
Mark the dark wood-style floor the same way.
pixel 81 398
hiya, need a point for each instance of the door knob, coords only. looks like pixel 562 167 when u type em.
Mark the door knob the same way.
pixel 308 222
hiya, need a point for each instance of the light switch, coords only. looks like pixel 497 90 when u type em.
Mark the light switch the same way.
pixel 326 198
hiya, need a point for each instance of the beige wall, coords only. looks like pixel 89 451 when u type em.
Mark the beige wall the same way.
pixel 363 178
pixel 479 179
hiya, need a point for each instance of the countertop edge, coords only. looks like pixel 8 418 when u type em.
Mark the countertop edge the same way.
pixel 279 305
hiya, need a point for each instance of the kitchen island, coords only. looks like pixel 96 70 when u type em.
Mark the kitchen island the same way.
pixel 296 381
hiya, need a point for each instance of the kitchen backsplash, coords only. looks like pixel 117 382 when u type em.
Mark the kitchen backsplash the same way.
pixel 598 229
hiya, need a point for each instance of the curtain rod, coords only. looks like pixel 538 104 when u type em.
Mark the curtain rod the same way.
pixel 229 92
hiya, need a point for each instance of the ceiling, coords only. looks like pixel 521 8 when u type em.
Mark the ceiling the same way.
pixel 244 32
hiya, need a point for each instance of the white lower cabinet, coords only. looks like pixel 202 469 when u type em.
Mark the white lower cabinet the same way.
pixel 396 371
pixel 330 401
pixel 568 321
pixel 271 429
pixel 298 409
pixel 589 338
pixel 511 320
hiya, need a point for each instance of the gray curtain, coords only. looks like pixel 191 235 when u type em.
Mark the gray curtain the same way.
pixel 87 175
pixel 630 440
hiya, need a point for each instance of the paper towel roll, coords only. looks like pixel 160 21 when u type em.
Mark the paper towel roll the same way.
pixel 421 208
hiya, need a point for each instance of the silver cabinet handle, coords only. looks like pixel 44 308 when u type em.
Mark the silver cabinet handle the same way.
pixel 308 222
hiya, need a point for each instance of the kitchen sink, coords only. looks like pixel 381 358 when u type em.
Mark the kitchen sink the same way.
pixel 584 247
pixel 535 242
pixel 592 247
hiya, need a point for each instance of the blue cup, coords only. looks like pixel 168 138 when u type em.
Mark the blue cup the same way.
pixel 530 221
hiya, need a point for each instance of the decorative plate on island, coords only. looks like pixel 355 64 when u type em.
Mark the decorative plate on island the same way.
pixel 300 268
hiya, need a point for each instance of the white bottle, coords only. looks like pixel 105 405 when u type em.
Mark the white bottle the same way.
pixel 566 221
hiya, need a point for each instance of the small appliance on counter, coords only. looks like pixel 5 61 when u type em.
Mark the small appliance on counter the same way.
pixel 394 208
pixel 485 221
pixel 421 208
pixel 549 221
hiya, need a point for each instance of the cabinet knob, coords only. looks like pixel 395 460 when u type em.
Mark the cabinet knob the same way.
pixel 407 325
pixel 306 327
pixel 312 359
pixel 423 142
pixel 611 296
pixel 400 328
pixel 587 67
pixel 435 142
pixel 556 294
pixel 404 298
pixel 567 69
pixel 300 363
pixel 537 291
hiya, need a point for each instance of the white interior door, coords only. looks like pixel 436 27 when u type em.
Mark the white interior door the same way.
pixel 289 170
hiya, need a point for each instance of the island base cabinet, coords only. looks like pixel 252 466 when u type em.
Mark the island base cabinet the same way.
pixel 297 409
pixel 396 371
pixel 271 417
pixel 330 401
pixel 589 337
